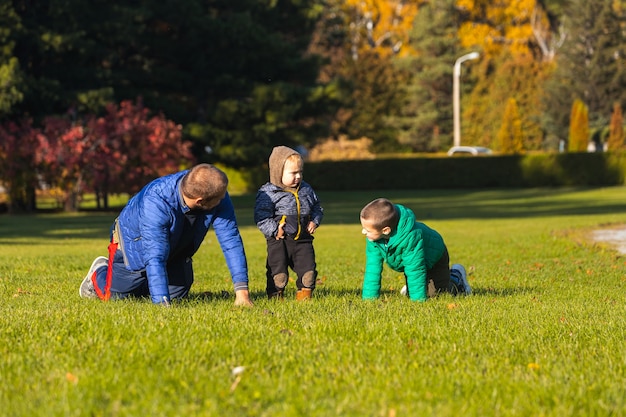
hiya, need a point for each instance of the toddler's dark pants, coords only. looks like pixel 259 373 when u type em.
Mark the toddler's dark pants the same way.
pixel 286 253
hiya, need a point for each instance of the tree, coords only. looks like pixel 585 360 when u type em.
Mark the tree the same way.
pixel 134 148
pixel 265 90
pixel 579 127
pixel 547 30
pixel 424 120
pixel 359 40
pixel 10 74
pixel 379 25
pixel 239 69
pixel 510 136
pixel 519 77
pixel 117 152
pixel 21 159
pixel 589 66
pixel 376 88
pixel 494 26
pixel 515 40
pixel 68 157
pixel 616 129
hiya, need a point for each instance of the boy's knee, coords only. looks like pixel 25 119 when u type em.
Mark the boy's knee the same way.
pixel 280 280
pixel 308 279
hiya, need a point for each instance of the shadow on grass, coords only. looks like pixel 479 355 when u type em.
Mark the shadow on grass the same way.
pixel 502 292
pixel 321 293
pixel 26 229
pixel 344 208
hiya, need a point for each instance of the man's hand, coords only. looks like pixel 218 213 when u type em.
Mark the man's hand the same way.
pixel 311 228
pixel 242 298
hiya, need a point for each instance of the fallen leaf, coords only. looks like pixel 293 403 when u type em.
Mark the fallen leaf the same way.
pixel 70 377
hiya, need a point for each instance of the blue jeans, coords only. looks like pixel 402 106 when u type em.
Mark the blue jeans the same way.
pixel 125 283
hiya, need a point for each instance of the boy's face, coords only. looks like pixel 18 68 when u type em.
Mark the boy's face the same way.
pixel 292 173
pixel 371 233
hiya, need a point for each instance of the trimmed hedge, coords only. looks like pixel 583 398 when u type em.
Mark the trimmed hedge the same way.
pixel 537 170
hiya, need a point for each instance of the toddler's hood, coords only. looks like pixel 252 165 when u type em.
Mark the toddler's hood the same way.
pixel 277 162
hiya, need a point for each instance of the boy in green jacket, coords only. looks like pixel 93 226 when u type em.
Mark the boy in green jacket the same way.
pixel 408 246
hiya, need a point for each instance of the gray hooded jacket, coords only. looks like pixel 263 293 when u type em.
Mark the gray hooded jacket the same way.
pixel 276 203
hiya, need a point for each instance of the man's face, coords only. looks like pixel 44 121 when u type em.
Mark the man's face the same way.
pixel 208 204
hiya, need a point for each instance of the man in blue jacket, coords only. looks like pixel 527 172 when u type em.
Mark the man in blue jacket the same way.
pixel 158 232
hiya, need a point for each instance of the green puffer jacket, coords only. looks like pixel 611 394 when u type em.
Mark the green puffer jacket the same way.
pixel 413 248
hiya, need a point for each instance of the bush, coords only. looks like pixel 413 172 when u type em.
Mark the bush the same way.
pixel 540 170
pixel 535 170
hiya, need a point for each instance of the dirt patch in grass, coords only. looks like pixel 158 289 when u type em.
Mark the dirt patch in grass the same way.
pixel 614 236
pixel 607 236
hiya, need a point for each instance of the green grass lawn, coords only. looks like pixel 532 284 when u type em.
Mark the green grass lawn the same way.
pixel 543 335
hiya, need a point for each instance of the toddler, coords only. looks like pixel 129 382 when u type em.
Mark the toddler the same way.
pixel 287 212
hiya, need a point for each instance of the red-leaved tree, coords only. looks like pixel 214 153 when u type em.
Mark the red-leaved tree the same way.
pixel 67 159
pixel 22 148
pixel 135 148
pixel 115 153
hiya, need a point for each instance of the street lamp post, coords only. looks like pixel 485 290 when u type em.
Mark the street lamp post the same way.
pixel 456 95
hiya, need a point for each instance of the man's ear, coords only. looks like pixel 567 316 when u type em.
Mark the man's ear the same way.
pixel 192 202
pixel 386 230
pixel 197 202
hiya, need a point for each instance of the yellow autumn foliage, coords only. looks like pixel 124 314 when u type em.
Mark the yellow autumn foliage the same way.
pixel 492 25
pixel 579 127
pixel 503 24
pixel 616 129
pixel 383 25
pixel 510 136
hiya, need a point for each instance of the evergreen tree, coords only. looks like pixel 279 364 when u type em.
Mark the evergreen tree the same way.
pixel 579 127
pixel 425 119
pixel 375 88
pixel 590 65
pixel 510 135
pixel 11 90
pixel 498 80
pixel 359 40
pixel 616 129
pixel 238 69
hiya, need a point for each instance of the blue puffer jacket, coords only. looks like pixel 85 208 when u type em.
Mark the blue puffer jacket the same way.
pixel 298 206
pixel 151 225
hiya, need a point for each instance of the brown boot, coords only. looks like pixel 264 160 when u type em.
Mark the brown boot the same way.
pixel 304 294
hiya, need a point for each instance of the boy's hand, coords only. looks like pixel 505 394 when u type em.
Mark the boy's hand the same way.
pixel 280 234
pixel 311 228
